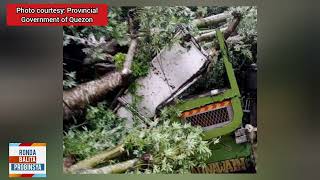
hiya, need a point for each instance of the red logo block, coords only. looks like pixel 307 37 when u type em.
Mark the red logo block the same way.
pixel 57 14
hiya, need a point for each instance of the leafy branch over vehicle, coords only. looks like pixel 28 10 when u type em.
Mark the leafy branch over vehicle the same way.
pixel 108 62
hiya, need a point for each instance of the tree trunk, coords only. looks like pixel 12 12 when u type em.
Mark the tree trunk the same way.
pixel 79 97
pixel 115 168
pixel 129 58
pixel 76 99
pixel 208 36
pixel 227 31
pixel 212 20
pixel 233 25
pixel 97 159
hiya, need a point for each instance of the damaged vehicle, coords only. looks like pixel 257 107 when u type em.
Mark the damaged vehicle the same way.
pixel 219 112
pixel 171 95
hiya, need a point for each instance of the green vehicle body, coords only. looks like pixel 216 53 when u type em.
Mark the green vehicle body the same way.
pixel 227 155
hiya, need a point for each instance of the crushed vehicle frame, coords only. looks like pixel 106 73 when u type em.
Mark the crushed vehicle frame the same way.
pixel 218 112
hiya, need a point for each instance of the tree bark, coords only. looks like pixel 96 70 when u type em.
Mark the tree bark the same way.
pixel 129 58
pixel 76 99
pixel 115 168
pixel 206 31
pixel 97 159
pixel 227 31
pixel 79 97
pixel 208 36
pixel 233 25
pixel 212 20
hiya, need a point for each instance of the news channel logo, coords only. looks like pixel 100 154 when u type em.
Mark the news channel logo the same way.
pixel 27 160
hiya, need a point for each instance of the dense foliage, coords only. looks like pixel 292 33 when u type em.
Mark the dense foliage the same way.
pixel 171 147
pixel 156 30
pixel 102 130
pixel 157 27
pixel 69 80
pixel 242 52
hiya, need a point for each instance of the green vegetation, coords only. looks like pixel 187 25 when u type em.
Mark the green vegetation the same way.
pixel 161 144
pixel 69 81
pixel 119 59
pixel 171 147
pixel 102 130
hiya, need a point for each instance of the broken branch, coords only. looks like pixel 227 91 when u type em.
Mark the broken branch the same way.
pixel 211 20
pixel 233 25
pixel 208 36
pixel 227 31
pixel 93 91
pixel 129 58
pixel 115 168
pixel 97 159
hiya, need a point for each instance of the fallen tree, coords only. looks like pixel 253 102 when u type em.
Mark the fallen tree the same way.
pixel 147 148
pixel 116 168
pixel 79 97
pixel 208 36
pixel 212 20
pixel 76 99
pixel 227 31
pixel 98 158
pixel 144 150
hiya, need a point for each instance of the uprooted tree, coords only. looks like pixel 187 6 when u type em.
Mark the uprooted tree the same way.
pixel 101 143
